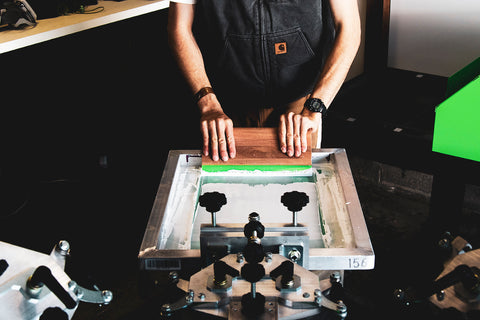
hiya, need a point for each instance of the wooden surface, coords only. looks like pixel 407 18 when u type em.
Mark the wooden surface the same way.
pixel 452 299
pixel 47 29
pixel 260 146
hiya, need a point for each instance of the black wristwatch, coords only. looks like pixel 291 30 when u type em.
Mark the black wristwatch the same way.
pixel 315 105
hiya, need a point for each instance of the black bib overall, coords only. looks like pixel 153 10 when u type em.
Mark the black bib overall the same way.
pixel 263 53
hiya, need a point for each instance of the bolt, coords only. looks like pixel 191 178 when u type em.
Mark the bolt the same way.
pixel 399 294
pixel 253 217
pixel 341 309
pixel 214 219
pixel 201 296
pixel 166 307
pixel 318 296
pixel 240 257
pixel 306 295
pixel 440 295
pixel 63 247
pixel 189 296
pixel 72 285
pixel 289 284
pixel 294 255
pixel 107 296
pixel 268 257
pixel 335 277
pixel 173 276
pixel 444 243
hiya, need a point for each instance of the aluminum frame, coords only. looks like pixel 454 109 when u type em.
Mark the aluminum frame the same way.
pixel 360 256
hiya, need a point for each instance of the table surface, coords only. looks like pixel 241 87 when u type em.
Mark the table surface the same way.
pixel 47 29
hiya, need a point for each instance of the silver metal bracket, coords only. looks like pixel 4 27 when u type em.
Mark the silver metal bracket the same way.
pixel 90 296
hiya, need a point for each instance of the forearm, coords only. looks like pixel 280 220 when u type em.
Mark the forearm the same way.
pixel 341 57
pixel 186 51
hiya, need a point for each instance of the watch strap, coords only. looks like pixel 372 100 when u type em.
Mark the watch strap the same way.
pixel 202 93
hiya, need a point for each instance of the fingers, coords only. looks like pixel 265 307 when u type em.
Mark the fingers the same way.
pixel 282 133
pixel 289 134
pixel 303 138
pixel 230 138
pixel 205 136
pixel 218 138
pixel 226 141
pixel 212 131
pixel 293 131
pixel 297 142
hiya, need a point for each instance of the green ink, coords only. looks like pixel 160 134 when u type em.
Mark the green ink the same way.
pixel 264 168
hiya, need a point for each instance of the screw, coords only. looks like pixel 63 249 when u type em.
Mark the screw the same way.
pixel 341 307
pixel 63 247
pixel 201 296
pixel 253 217
pixel 335 277
pixel 107 296
pixel 214 219
pixel 240 257
pixel 189 297
pixel 318 296
pixel 440 295
pixel 173 276
pixel 294 219
pixel 166 307
pixel 399 294
pixel 294 255
pixel 268 257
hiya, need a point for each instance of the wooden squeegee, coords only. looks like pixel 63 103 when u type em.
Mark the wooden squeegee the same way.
pixel 259 149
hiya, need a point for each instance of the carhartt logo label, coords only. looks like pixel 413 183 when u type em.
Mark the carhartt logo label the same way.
pixel 280 48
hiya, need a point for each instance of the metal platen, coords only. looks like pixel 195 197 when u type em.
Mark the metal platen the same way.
pixel 34 285
pixel 256 284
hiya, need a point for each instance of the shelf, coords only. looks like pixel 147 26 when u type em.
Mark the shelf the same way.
pixel 47 29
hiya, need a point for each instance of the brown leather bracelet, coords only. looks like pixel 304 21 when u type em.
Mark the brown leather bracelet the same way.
pixel 202 93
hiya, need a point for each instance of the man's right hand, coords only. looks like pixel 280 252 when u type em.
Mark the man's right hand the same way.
pixel 217 129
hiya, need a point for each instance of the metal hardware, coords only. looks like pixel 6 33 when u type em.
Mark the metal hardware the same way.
pixel 90 296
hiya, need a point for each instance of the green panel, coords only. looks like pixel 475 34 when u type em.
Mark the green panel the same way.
pixel 457 123
pixel 463 77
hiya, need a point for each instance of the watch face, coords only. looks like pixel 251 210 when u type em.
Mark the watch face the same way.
pixel 315 105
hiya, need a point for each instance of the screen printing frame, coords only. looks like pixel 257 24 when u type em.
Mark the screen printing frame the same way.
pixel 358 257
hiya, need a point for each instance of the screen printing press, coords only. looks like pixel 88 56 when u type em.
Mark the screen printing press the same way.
pixel 272 242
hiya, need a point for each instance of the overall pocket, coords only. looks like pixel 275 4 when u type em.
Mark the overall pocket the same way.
pixel 240 67
pixel 293 64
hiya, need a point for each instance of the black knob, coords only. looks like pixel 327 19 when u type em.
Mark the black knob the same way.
pixel 253 272
pixel 253 305
pixel 3 266
pixel 285 270
pixel 212 201
pixel 253 252
pixel 295 200
pixel 254 225
pixel 221 269
pixel 43 276
pixel 54 314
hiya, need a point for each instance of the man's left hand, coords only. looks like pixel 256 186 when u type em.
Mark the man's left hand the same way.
pixel 293 129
